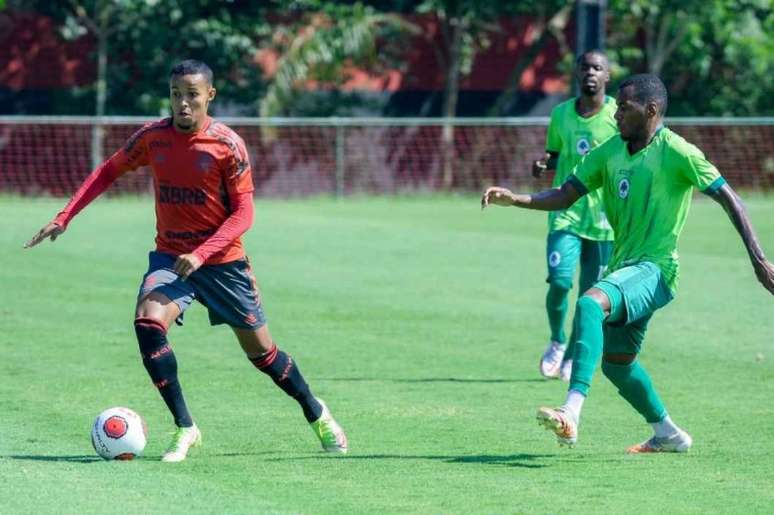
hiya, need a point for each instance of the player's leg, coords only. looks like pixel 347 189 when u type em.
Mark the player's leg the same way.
pixel 562 254
pixel 625 371
pixel 592 308
pixel 154 314
pixel 231 295
pixel 264 354
pixel 593 262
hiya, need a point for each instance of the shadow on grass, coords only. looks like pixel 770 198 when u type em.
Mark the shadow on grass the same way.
pixel 69 459
pixel 505 460
pixel 431 380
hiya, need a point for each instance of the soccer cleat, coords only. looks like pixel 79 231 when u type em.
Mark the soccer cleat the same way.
pixel 329 432
pixel 566 370
pixel 552 360
pixel 678 442
pixel 183 439
pixel 561 422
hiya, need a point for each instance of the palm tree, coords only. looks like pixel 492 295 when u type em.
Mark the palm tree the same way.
pixel 325 44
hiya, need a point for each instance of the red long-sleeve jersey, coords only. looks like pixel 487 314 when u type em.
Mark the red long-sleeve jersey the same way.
pixel 203 187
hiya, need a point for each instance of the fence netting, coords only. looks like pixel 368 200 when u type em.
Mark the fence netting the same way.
pixel 40 157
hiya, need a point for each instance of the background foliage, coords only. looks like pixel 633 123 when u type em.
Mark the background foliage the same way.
pixel 715 56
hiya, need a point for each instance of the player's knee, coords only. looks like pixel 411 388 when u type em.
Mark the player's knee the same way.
pixel 588 306
pixel 613 361
pixel 151 335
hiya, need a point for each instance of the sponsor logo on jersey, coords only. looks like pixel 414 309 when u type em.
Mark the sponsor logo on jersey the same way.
pixel 189 235
pixel 176 195
pixel 159 143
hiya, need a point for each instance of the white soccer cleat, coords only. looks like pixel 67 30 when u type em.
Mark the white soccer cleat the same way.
pixel 565 372
pixel 678 442
pixel 562 422
pixel 330 433
pixel 183 439
pixel 551 361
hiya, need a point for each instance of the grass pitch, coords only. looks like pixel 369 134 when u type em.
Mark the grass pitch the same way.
pixel 420 321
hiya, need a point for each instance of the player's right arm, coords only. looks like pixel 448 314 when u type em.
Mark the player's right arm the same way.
pixel 547 200
pixel 586 176
pixel 131 156
pixel 549 161
pixel 553 146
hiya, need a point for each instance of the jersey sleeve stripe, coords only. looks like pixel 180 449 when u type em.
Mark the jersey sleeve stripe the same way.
pixel 715 186
pixel 582 189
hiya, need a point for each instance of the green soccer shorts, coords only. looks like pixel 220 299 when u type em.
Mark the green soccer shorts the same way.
pixel 642 289
pixel 563 251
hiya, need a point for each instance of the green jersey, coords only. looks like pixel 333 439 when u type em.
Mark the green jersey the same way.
pixel 572 136
pixel 647 196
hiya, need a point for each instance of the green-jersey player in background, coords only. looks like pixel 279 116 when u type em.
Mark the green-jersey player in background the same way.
pixel 647 175
pixel 580 232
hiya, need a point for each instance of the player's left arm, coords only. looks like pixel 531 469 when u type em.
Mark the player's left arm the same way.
pixel 237 177
pixel 234 226
pixel 728 198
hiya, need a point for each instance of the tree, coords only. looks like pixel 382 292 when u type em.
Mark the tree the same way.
pixel 715 56
pixel 466 27
pixel 323 42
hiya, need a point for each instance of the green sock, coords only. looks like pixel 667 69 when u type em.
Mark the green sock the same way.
pixel 588 344
pixel 570 343
pixel 556 307
pixel 634 385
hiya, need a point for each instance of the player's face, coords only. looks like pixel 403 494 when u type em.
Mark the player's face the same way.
pixel 631 116
pixel 592 73
pixel 190 96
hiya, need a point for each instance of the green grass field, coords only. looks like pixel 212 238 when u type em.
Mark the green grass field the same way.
pixel 420 321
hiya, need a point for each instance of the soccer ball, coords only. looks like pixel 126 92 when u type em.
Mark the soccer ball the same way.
pixel 119 434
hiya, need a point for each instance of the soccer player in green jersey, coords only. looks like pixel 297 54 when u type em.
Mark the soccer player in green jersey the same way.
pixel 647 176
pixel 580 232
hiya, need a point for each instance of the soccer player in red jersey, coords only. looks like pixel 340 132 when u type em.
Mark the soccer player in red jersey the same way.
pixel 204 203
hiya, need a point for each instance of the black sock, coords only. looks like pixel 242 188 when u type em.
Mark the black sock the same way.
pixel 285 374
pixel 160 362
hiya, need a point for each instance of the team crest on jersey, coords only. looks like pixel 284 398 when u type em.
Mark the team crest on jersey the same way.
pixel 204 161
pixel 554 258
pixel 583 146
pixel 623 188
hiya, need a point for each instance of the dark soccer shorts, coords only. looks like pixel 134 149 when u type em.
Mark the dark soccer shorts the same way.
pixel 228 291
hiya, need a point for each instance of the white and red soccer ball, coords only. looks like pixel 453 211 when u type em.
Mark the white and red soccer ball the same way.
pixel 119 434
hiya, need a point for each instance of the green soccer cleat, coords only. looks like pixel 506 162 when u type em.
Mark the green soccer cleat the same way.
pixel 561 422
pixel 183 439
pixel 329 432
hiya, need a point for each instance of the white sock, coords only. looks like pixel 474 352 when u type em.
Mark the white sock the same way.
pixel 665 427
pixel 574 403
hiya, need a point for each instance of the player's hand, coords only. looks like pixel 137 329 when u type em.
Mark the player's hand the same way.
pixel 765 272
pixel 51 230
pixel 497 196
pixel 187 264
pixel 538 167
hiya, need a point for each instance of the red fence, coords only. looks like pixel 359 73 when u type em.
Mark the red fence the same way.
pixel 309 157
